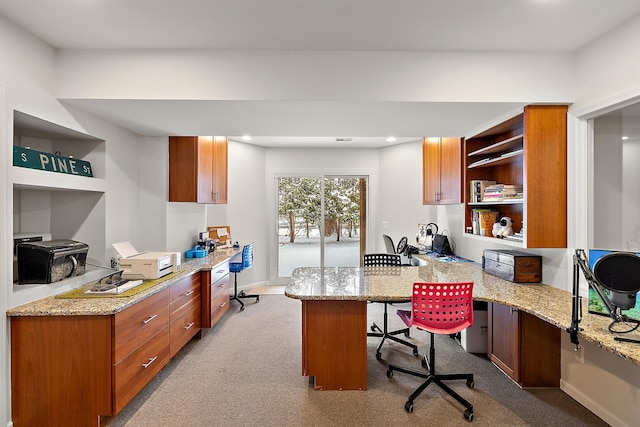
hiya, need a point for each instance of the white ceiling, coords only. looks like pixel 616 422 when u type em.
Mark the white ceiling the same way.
pixel 378 25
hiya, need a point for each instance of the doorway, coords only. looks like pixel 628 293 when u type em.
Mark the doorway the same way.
pixel 321 221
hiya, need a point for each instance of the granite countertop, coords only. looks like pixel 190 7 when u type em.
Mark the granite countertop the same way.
pixel 52 306
pixel 394 284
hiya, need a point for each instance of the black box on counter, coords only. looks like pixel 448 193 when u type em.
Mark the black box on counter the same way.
pixel 50 261
pixel 514 266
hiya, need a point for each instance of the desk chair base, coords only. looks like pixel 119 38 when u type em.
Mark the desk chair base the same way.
pixel 385 334
pixel 238 295
pixel 432 377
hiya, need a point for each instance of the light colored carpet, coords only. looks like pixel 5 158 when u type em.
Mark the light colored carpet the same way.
pixel 247 371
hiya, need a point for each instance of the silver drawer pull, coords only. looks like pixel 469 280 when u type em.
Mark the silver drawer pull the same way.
pixel 223 304
pixel 220 271
pixel 221 285
pixel 146 365
pixel 189 325
pixel 149 319
pixel 189 293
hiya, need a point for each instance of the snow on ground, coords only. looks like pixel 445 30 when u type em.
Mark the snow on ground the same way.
pixel 305 252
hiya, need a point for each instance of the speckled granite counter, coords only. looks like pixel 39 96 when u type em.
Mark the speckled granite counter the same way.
pixel 51 306
pixel 394 283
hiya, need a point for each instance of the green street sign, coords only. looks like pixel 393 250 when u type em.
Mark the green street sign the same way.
pixel 33 159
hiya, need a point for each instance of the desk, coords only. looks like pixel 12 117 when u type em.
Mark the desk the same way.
pixel 334 313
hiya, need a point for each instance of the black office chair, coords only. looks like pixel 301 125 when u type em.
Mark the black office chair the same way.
pixel 386 260
pixel 388 243
pixel 438 308
pixel 237 264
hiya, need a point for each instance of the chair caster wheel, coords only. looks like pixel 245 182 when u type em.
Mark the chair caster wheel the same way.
pixel 378 355
pixel 406 334
pixel 468 415
pixel 389 373
pixel 424 363
pixel 373 328
pixel 409 406
pixel 470 383
pixel 257 299
pixel 415 351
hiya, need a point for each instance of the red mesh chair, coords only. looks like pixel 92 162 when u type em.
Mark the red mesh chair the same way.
pixel 438 308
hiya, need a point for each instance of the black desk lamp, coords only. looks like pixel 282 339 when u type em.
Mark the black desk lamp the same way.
pixel 619 273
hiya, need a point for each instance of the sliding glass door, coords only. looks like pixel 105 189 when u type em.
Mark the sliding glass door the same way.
pixel 321 221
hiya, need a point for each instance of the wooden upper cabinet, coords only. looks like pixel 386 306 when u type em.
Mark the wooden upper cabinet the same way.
pixel 198 169
pixel 528 150
pixel 441 171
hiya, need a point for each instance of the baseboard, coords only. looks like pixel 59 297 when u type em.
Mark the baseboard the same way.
pixel 592 405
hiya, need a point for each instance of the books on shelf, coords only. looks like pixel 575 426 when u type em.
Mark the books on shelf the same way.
pixel 499 192
pixel 477 187
pixel 482 221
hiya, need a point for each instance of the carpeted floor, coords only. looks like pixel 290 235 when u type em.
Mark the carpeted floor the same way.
pixel 247 371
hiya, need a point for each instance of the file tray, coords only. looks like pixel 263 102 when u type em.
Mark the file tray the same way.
pixel 196 252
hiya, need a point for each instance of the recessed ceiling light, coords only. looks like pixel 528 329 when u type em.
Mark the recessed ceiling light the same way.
pixel 343 139
pixel 624 138
pixel 246 137
pixel 391 139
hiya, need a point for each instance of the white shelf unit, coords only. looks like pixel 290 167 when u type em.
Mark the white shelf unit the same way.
pixel 64 205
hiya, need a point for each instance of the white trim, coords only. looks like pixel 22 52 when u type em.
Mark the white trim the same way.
pixel 6 250
pixel 592 405
pixel 606 105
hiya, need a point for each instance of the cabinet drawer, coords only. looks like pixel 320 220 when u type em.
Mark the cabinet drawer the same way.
pixel 219 300
pixel 185 326
pixel 184 291
pixel 219 271
pixel 135 325
pixel 136 370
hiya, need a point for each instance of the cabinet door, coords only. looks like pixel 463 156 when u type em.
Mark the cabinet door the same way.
pixel 504 338
pixel 430 171
pixel 220 170
pixel 441 171
pixel 205 170
pixel 450 171
pixel 198 169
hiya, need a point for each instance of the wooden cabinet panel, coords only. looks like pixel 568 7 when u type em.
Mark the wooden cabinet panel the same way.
pixel 503 341
pixel 524 347
pixel 334 348
pixel 138 323
pixel 185 325
pixel 215 294
pixel 198 169
pixel 137 369
pixel 182 293
pixel 441 171
pixel 57 365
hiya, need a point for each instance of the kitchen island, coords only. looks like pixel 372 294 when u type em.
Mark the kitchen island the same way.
pixel 334 312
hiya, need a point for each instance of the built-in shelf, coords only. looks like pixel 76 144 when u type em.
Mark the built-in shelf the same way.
pixel 501 202
pixel 34 179
pixel 490 240
pixel 504 159
pixel 510 144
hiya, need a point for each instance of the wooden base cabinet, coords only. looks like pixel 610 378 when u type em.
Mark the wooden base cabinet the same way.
pixel 334 344
pixel 80 370
pixel 185 312
pixel 524 347
pixel 215 302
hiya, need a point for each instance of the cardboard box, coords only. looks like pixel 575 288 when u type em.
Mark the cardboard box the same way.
pixel 514 266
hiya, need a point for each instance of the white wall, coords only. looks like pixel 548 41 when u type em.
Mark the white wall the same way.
pixel 28 78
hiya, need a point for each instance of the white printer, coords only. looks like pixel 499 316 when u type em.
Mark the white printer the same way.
pixel 146 265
